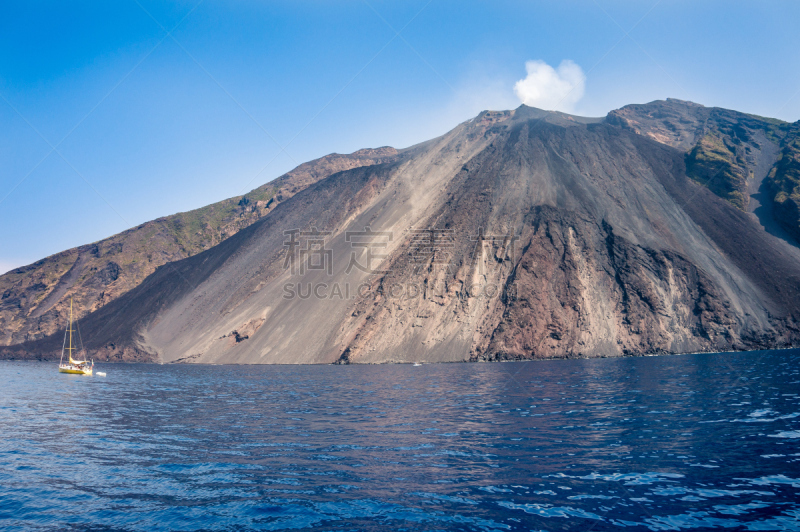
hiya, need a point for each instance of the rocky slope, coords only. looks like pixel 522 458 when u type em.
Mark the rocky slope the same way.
pixel 731 153
pixel 519 234
pixel 34 299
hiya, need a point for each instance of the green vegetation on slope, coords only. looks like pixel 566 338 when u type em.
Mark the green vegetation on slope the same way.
pixel 723 147
pixel 713 164
pixel 723 159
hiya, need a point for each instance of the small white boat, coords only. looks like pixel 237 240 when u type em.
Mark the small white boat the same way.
pixel 417 364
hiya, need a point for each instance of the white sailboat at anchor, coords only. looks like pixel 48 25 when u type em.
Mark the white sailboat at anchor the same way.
pixel 77 367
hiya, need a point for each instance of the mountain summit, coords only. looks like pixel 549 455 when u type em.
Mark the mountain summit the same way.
pixel 662 228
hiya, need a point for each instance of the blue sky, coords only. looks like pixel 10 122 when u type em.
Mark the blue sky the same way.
pixel 108 120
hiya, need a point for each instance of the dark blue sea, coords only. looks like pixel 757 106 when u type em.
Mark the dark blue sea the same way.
pixel 693 442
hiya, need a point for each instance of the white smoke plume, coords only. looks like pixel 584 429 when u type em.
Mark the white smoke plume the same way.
pixel 551 89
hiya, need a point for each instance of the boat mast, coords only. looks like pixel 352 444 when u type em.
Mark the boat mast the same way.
pixel 70 332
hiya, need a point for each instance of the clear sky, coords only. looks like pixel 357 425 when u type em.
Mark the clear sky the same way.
pixel 115 113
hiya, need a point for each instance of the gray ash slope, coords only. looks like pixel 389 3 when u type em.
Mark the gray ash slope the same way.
pixel 35 300
pixel 616 252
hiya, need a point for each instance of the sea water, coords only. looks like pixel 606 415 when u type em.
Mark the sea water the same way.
pixel 657 443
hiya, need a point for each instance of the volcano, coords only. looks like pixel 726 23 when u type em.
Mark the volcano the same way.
pixel 518 235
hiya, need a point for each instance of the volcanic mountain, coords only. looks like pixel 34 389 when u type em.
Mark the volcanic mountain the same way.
pixel 662 228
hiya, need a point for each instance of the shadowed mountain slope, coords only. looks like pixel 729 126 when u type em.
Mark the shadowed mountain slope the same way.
pixel 519 234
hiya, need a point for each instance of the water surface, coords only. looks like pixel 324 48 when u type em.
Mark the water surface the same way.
pixel 658 443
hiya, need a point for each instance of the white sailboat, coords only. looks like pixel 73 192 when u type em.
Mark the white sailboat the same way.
pixel 77 367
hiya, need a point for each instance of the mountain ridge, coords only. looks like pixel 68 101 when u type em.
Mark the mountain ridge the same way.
pixel 606 216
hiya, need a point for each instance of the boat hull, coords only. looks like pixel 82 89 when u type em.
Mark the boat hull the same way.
pixel 74 371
